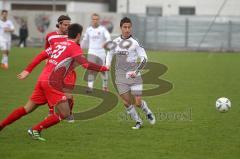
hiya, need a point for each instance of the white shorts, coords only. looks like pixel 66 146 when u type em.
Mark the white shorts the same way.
pixel 134 88
pixel 5 45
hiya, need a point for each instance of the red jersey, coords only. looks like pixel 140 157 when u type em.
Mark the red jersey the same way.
pixel 56 37
pixel 62 57
pixel 57 54
pixel 53 37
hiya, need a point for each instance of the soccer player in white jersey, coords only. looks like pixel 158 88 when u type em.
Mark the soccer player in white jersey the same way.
pixel 6 29
pixel 127 71
pixel 94 39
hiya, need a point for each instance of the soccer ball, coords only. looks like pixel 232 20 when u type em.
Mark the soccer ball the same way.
pixel 223 104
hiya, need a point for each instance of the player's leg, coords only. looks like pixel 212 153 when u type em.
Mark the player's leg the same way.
pixel 18 113
pixel 136 91
pixel 70 80
pixel 70 101
pixel 104 75
pixel 125 95
pixel 20 42
pixel 131 110
pixel 51 110
pixel 144 107
pixel 63 111
pixel 6 46
pixel 4 62
pixel 91 79
pixel 24 42
pixel 91 74
pixel 59 101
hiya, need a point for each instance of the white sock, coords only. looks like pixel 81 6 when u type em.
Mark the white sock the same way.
pixel 104 79
pixel 105 83
pixel 4 59
pixel 145 108
pixel 90 84
pixel 133 113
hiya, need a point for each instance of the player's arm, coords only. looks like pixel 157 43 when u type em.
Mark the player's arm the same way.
pixel 38 59
pixel 90 65
pixel 107 36
pixel 111 45
pixel 10 29
pixel 143 60
pixel 109 57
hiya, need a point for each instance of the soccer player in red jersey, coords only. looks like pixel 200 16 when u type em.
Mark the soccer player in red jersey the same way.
pixel 61 33
pixel 45 91
pixel 58 36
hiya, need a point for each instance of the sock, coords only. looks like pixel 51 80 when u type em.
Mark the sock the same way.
pixel 71 103
pixel 133 113
pixel 15 115
pixel 104 79
pixel 4 59
pixel 105 83
pixel 91 78
pixel 51 120
pixel 145 108
pixel 90 84
pixel 51 110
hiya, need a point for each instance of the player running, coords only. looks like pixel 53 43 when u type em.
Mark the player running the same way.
pixel 94 39
pixel 58 36
pixel 44 92
pixel 128 77
pixel 6 30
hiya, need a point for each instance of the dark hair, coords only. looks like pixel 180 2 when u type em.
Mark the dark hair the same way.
pixel 95 14
pixel 61 19
pixel 73 30
pixel 125 20
pixel 4 11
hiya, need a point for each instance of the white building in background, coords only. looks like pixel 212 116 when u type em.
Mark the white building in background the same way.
pixel 60 5
pixel 145 7
pixel 179 7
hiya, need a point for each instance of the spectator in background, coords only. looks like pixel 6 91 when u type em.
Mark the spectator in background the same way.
pixel 6 30
pixel 23 34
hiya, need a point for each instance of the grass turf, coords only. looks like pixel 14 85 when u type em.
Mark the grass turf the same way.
pixel 201 131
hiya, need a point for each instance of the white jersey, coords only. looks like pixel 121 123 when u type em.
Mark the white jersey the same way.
pixel 94 39
pixel 5 36
pixel 126 57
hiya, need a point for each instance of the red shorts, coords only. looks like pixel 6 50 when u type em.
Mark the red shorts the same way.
pixel 43 93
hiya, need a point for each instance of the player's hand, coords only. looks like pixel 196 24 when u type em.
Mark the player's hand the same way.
pixel 23 75
pixel 105 46
pixel 108 67
pixel 7 29
pixel 103 69
pixel 131 74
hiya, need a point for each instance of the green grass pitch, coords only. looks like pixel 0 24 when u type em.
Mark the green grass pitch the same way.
pixel 202 132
